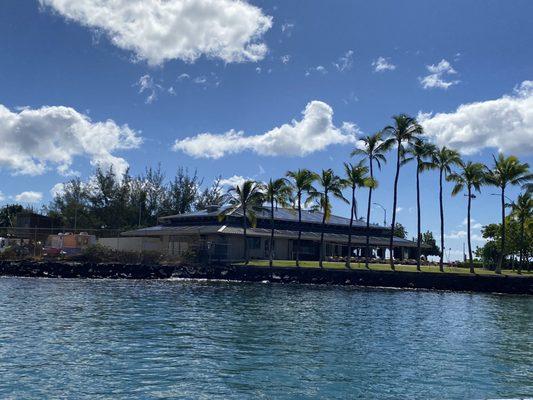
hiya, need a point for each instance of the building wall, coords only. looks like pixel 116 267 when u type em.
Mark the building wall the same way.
pixel 132 243
pixel 258 248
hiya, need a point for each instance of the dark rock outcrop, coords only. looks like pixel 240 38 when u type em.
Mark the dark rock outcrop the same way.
pixel 411 280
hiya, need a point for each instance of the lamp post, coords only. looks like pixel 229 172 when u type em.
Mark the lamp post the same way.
pixel 385 211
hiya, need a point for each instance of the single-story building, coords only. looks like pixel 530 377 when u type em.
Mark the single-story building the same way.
pixel 218 235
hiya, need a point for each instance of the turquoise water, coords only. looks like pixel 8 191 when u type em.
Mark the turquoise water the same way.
pixel 200 340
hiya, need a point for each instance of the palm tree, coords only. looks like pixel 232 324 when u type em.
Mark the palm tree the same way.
pixel 302 184
pixel 332 185
pixel 522 211
pixel 404 130
pixel 249 197
pixel 471 178
pixel 443 159
pixel 420 150
pixel 355 176
pixel 507 171
pixel 277 192
pixel 373 147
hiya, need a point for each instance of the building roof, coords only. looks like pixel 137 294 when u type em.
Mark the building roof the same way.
pixel 162 230
pixel 280 214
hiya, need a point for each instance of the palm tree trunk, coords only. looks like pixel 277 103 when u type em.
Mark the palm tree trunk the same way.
pixel 418 219
pixel 321 258
pixel 502 252
pixel 441 262
pixel 522 223
pixel 271 252
pixel 349 257
pixel 367 253
pixel 299 229
pixel 245 237
pixel 395 199
pixel 470 259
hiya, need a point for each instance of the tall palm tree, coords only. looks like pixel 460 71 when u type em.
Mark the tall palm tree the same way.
pixel 302 184
pixel 471 178
pixel 373 148
pixel 443 159
pixel 402 132
pixel 356 176
pixel 248 196
pixel 277 192
pixel 507 171
pixel 331 185
pixel 522 211
pixel 419 150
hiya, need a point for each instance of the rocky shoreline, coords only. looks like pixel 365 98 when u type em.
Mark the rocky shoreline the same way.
pixel 410 280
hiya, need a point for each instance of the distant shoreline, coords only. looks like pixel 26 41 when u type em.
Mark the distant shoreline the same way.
pixel 293 275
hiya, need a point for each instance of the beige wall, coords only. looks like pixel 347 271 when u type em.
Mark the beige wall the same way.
pixel 132 243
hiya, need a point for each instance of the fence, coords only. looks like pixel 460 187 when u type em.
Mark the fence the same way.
pixel 26 242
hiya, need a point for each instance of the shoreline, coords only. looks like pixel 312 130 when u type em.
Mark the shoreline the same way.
pixel 292 275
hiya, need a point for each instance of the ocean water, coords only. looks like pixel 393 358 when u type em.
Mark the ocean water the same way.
pixel 105 339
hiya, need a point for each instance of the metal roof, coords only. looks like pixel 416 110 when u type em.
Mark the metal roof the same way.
pixel 161 230
pixel 280 214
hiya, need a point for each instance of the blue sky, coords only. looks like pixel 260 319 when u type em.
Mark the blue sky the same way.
pixel 132 94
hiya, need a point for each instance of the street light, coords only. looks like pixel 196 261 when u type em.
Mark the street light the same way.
pixel 385 211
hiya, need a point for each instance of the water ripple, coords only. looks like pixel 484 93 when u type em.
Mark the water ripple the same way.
pixel 103 339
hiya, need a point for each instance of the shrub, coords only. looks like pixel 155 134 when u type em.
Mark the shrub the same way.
pixel 102 254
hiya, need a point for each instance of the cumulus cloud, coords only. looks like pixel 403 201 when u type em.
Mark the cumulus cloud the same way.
pixel 505 124
pixel 29 197
pixel 233 181
pixel 314 132
pixel 285 59
pixel 158 31
pixel 32 139
pixel 438 74
pixel 382 64
pixel 345 62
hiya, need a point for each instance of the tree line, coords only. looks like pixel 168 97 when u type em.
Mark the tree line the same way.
pixel 405 137
pixel 107 201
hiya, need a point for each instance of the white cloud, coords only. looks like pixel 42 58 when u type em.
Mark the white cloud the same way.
pixel 399 209
pixel 383 64
pixel 505 124
pixel 287 28
pixel 34 138
pixel 345 62
pixel 183 77
pixel 314 132
pixel 437 76
pixel 57 190
pixel 285 59
pixel 463 235
pixel 2 197
pixel 319 68
pixel 258 70
pixel 29 197
pixel 158 31
pixel 146 84
pixel 233 181
pixel 473 223
pixel 200 80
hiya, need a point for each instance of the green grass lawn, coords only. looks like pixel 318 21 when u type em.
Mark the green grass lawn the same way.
pixel 382 267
